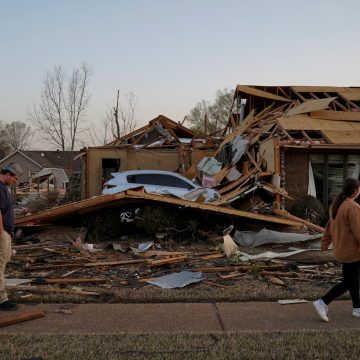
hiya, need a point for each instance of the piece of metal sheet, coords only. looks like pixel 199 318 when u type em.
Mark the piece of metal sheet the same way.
pixel 177 280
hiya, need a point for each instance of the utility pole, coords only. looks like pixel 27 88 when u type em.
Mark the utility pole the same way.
pixel 116 115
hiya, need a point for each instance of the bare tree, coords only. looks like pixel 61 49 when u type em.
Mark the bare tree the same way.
pixel 118 120
pixel 77 100
pixel 127 114
pixel 62 106
pixel 103 134
pixel 18 135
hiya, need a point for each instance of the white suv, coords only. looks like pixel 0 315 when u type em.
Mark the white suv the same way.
pixel 159 182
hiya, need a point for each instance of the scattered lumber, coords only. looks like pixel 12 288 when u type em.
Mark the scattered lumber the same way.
pixel 36 289
pixel 71 265
pixel 287 215
pixel 238 268
pixel 18 318
pixel 276 281
pixel 160 262
pixel 73 280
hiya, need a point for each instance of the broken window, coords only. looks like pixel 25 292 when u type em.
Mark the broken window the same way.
pixel 109 166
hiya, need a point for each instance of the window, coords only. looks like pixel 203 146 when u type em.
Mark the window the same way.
pixel 159 179
pixel 330 171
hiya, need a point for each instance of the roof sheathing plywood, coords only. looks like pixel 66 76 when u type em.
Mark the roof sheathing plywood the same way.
pixel 336 115
pixel 304 122
pixel 260 93
pixel 352 94
pixel 316 89
pixel 311 105
pixel 342 136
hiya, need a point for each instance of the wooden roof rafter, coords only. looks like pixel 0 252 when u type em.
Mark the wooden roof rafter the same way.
pixel 280 89
pixel 299 95
pixel 130 136
pixel 350 102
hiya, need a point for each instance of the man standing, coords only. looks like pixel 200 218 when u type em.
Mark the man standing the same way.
pixel 8 176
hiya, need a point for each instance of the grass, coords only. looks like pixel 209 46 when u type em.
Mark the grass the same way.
pixel 244 289
pixel 342 344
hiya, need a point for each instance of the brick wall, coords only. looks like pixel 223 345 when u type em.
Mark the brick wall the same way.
pixel 296 176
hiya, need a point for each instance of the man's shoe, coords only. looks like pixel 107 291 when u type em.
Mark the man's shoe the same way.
pixel 321 309
pixel 8 306
pixel 356 312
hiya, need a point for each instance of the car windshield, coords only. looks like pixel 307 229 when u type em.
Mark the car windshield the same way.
pixel 159 179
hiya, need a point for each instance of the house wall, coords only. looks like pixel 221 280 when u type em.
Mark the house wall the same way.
pixel 130 159
pixel 296 165
pixel 94 168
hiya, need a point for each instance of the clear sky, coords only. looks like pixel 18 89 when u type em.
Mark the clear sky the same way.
pixel 174 53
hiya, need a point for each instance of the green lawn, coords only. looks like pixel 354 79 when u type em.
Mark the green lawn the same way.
pixel 339 344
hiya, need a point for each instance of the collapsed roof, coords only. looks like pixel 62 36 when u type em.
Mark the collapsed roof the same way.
pixel 301 115
pixel 160 131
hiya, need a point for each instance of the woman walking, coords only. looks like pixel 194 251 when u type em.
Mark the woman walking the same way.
pixel 343 231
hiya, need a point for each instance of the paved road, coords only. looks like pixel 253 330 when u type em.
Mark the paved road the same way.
pixel 179 317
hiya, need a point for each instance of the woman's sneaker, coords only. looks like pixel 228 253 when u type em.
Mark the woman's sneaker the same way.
pixel 322 309
pixel 356 312
pixel 8 305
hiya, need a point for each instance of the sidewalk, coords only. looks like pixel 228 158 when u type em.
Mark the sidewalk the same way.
pixel 180 317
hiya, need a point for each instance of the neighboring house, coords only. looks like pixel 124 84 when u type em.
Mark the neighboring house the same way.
pixel 55 176
pixel 32 162
pixel 163 144
pixel 307 136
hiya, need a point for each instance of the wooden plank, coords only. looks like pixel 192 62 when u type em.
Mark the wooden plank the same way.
pixel 238 268
pixel 72 265
pixel 166 261
pixel 212 256
pixel 275 189
pixel 253 161
pixel 277 168
pixel 73 280
pixel 110 200
pixel 219 209
pixel 234 193
pixel 310 105
pixel 336 115
pixel 342 137
pixel 238 130
pixel 292 217
pixel 260 93
pixel 317 89
pixel 150 253
pixel 18 318
pixel 238 182
pixel 279 273
pixel 34 289
pixel 91 204
pixel 219 176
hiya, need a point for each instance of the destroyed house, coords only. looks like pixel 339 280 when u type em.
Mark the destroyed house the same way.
pixel 308 137
pixel 162 144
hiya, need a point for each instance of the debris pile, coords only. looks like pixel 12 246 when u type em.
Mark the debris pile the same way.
pixel 55 263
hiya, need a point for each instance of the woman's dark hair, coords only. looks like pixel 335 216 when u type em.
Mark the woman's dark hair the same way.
pixel 350 186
